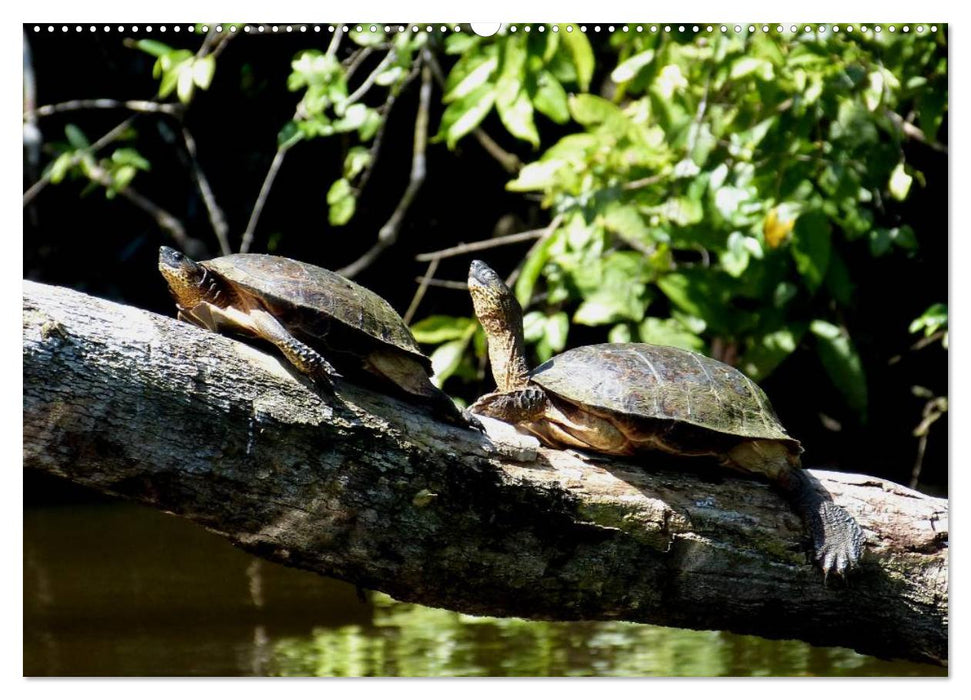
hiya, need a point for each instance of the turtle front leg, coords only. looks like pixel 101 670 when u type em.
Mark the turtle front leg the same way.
pixel 300 355
pixel 519 406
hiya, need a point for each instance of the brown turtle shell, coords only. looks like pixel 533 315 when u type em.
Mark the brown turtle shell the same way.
pixel 659 384
pixel 311 298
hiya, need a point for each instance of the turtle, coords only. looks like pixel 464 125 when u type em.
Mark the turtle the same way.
pixel 313 316
pixel 626 399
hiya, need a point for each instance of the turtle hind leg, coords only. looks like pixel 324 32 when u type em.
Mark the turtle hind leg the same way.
pixel 838 540
pixel 411 377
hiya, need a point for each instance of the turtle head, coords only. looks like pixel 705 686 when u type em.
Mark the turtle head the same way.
pixel 501 317
pixel 189 282
pixel 495 304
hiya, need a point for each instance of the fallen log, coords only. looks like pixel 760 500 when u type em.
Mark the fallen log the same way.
pixel 375 491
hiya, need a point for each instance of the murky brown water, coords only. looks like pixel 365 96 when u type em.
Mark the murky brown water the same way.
pixel 120 590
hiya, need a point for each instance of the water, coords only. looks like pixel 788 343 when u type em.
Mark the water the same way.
pixel 120 590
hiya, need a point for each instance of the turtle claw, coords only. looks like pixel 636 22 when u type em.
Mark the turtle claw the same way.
pixel 838 540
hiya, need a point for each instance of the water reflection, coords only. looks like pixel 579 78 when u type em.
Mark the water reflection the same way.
pixel 118 590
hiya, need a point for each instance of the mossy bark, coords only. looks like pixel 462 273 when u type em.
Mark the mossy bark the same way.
pixel 375 491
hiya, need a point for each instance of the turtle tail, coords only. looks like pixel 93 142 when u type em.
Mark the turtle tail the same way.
pixel 838 540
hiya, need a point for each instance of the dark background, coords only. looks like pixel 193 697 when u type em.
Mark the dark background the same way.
pixel 109 248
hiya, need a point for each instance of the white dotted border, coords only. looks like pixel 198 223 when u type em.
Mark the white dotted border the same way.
pixel 596 28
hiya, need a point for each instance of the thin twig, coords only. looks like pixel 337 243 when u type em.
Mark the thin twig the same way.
pixel 389 232
pixel 36 188
pixel 216 216
pixel 254 217
pixel 644 182
pixel 464 248
pixel 420 292
pixel 913 132
pixel 335 40
pixel 509 161
pixel 372 76
pixel 446 284
pixel 172 108
pixel 379 135
pixel 356 59
pixel 32 134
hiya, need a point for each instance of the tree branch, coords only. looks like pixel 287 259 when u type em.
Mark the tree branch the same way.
pixel 372 490
pixel 388 234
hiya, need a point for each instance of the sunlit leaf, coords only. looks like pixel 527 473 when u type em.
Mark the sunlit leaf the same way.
pixel 446 359
pixel 582 54
pixel 342 202
pixel 931 321
pixel 155 48
pixel 439 329
pixel 668 331
pixel 766 352
pixel 468 75
pixel 356 160
pixel 465 114
pixel 629 69
pixel 551 99
pixel 900 182
pixel 202 71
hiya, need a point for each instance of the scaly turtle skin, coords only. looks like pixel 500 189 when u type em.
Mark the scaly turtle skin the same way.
pixel 628 398
pixel 313 316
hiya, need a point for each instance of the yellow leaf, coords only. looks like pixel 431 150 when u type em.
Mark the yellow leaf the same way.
pixel 776 230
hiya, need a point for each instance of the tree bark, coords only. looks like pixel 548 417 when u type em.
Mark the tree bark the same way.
pixel 376 491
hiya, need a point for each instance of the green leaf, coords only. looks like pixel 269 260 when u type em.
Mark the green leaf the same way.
pixel 356 160
pixel 76 137
pixel 60 167
pixel 532 267
pixel 129 156
pixel 810 247
pixel 900 182
pixel 155 48
pixel 626 222
pixel 184 82
pixel 766 352
pixel 590 110
pixel 550 98
pixel 342 202
pixel 735 259
pixel 366 37
pixel 465 114
pixel 390 76
pixel 932 320
pixel 582 54
pixel 122 177
pixel 843 365
pixel 536 176
pixel 439 329
pixel 202 71
pixel 705 295
pixel 749 65
pixel 446 359
pixel 469 74
pixel 354 117
pixel 517 116
pixel 628 70
pixel 289 135
pixel 669 331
